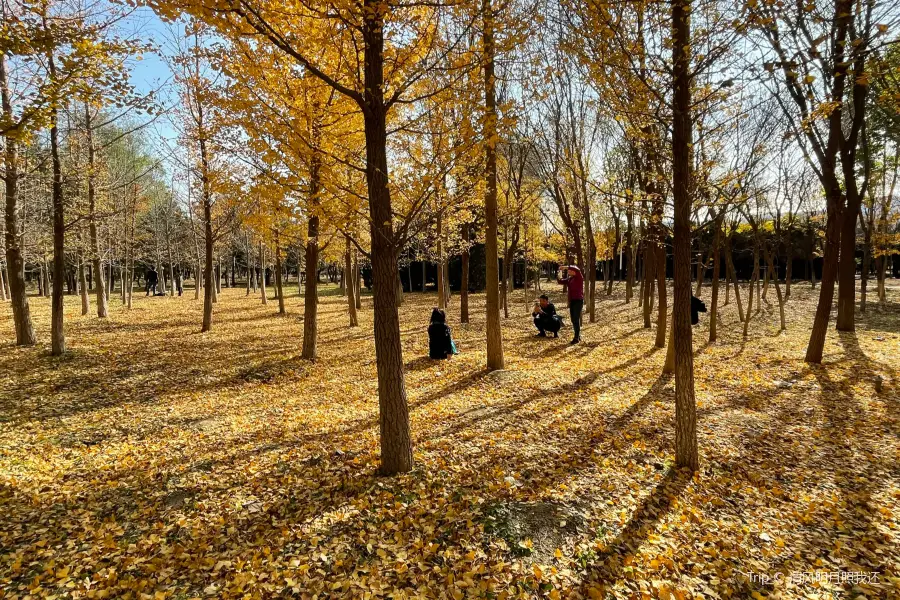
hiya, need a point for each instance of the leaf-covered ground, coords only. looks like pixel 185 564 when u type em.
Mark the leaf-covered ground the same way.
pixel 157 462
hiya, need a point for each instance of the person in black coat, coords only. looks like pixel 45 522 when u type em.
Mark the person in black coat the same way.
pixel 545 317
pixel 440 340
pixel 152 280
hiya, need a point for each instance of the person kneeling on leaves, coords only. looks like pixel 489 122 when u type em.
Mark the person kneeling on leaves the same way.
pixel 545 317
pixel 440 340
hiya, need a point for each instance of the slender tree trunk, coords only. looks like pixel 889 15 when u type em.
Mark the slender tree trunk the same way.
pixel 789 268
pixel 122 278
pixel 701 273
pixel 640 276
pixel 734 283
pixel 130 251
pixel 727 286
pixel 262 274
pixel 441 283
pixel 356 280
pixel 82 288
pixel 310 293
pixel 716 258
pixel 3 291
pixel 14 227
pixel 47 279
pixel 754 279
pixel 102 309
pixel 251 282
pixel 686 454
pixel 866 267
pixel 351 285
pixel 57 334
pixel 396 441
pixel 494 334
pixel 629 256
pixel 758 276
pixel 208 273
pixel 174 285
pixel 647 283
pixel 846 320
pixel 662 309
pixel 464 285
pixel 816 347
pixel 772 267
pixel 278 282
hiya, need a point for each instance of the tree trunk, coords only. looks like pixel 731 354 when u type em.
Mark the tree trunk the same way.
pixel 754 279
pixel 464 286
pixel 102 308
pixel 660 265
pixel 686 454
pixel 396 441
pixel 494 334
pixel 3 291
pixel 789 267
pixel 14 227
pixel 356 280
pixel 846 320
pixel 647 283
pixel 251 280
pixel 262 274
pixel 129 252
pixel 209 284
pixel 866 267
pixel 310 292
pixel 46 275
pixel 701 273
pixel 757 276
pixel 816 347
pixel 350 284
pixel 629 255
pixel 278 274
pixel 441 283
pixel 57 335
pixel 716 258
pixel 173 284
pixel 83 289
pixel 771 262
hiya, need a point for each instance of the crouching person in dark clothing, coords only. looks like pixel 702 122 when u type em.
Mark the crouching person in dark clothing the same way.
pixel 545 317
pixel 440 341
pixel 697 307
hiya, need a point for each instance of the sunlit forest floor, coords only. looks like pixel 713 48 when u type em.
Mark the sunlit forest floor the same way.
pixel 157 462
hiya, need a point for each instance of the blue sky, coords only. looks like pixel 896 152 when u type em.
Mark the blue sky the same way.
pixel 151 73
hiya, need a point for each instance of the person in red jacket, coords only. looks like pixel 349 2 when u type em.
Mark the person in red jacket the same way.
pixel 571 277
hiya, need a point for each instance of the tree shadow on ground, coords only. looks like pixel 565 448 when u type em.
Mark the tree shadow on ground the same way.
pixel 610 565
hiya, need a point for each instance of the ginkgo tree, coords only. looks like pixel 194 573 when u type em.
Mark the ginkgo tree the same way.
pixel 387 52
pixel 58 51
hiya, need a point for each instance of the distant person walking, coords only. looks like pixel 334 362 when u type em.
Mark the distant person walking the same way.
pixel 571 277
pixel 152 280
pixel 440 340
pixel 545 317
